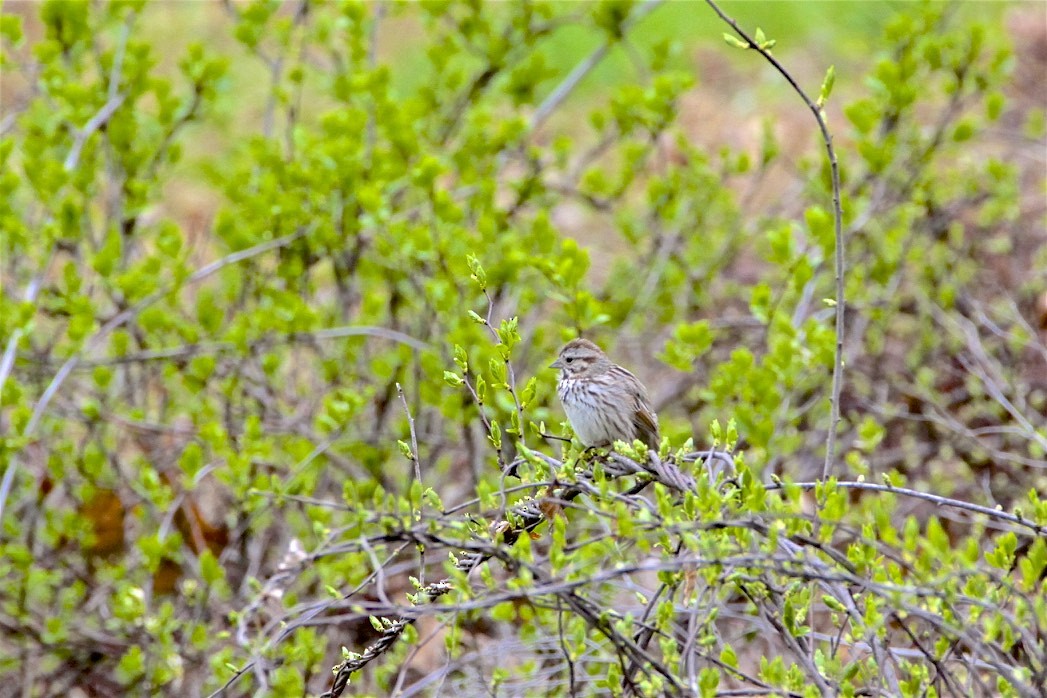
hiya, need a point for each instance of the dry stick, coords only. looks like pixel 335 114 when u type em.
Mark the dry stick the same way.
pixel 834 403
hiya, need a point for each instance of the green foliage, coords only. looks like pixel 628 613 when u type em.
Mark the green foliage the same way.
pixel 235 443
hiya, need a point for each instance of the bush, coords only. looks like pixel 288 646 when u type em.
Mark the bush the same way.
pixel 322 418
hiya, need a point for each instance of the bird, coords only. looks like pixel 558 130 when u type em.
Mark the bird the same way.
pixel 603 401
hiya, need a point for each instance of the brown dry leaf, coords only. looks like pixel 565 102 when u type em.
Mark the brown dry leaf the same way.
pixel 104 511
pixel 550 508
pixel 690 581
pixel 198 531
pixel 166 577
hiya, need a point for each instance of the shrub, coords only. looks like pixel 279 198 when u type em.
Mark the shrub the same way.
pixel 321 420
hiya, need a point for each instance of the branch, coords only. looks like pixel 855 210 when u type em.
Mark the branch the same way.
pixel 92 125
pixel 523 518
pixel 189 350
pixel 560 93
pixel 1016 519
pixel 520 520
pixel 414 439
pixel 32 290
pixel 115 99
pixel 834 404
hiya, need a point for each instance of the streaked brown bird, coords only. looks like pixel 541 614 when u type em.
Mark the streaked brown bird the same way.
pixel 603 401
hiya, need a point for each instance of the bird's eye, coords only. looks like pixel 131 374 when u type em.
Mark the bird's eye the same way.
pixel 569 359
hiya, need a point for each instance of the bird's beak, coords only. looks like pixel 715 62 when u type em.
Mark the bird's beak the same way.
pixel 556 364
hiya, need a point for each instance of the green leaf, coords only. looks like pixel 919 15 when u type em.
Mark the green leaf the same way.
pixel 708 681
pixel 728 656
pixel 762 41
pixel 210 569
pixel 461 358
pixel 477 272
pixel 495 435
pixel 833 603
pixel 732 40
pixel 827 85
pixel 528 392
pixel 1034 563
pixel 11 28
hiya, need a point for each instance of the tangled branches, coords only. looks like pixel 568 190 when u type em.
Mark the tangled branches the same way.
pixel 849 609
pixel 522 519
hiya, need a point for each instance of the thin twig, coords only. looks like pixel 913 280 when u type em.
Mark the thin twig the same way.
pixel 834 403
pixel 414 437
pixel 521 520
pixel 31 292
pixel 92 125
pixel 203 348
pixel 1038 529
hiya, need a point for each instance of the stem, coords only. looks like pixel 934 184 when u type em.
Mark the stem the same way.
pixel 834 401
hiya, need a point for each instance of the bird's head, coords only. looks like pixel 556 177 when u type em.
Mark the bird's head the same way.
pixel 580 358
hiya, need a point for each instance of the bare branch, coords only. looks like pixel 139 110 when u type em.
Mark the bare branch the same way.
pixel 997 514
pixel 834 404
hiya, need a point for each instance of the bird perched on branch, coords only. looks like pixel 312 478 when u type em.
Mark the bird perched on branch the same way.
pixel 603 401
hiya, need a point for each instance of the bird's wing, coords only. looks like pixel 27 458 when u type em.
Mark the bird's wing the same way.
pixel 645 421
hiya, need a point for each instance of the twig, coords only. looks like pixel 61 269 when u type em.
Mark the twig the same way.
pixel 484 418
pixel 509 371
pixel 188 350
pixel 92 125
pixel 414 436
pixel 115 99
pixel 1038 529
pixel 560 93
pixel 527 515
pixel 834 404
pixel 71 162
pixel 32 290
pixel 520 520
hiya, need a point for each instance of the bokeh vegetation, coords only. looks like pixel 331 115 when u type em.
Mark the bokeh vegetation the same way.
pixel 278 298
